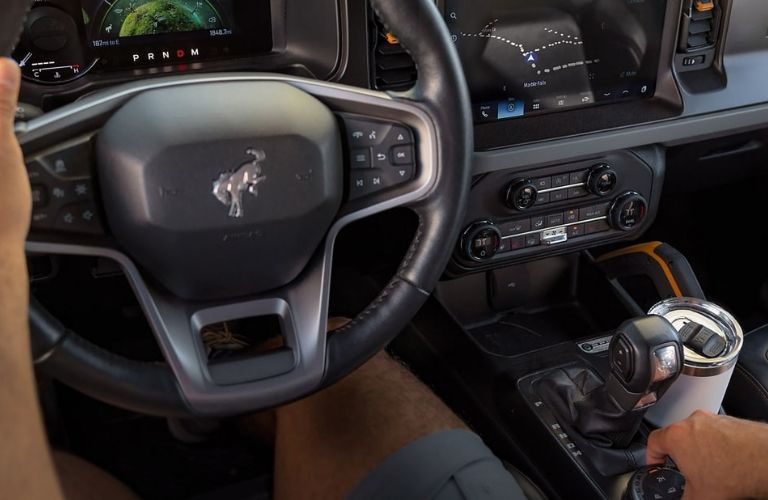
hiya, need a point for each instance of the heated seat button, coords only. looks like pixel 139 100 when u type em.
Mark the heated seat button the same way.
pixel 515 227
pixel 576 231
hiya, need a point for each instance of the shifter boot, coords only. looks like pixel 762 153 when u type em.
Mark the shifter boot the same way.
pixel 572 393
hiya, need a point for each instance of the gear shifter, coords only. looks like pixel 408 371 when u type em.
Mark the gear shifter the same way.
pixel 646 356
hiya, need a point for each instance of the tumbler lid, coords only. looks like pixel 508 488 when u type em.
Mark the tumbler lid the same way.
pixel 697 320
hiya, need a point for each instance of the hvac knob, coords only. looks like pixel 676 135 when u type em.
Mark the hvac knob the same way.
pixel 628 211
pixel 521 194
pixel 602 180
pixel 481 241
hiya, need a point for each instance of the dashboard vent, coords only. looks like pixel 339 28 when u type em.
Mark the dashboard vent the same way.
pixel 393 68
pixel 701 25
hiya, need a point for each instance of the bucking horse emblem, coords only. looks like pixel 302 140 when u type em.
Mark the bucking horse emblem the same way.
pixel 230 187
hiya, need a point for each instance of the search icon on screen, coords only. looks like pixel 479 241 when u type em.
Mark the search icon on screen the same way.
pixel 453 15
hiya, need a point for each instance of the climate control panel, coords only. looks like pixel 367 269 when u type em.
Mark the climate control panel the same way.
pixel 517 216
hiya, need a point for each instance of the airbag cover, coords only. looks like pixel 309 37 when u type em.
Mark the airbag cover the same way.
pixel 221 189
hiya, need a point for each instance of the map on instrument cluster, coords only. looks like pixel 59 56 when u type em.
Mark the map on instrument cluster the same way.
pixel 523 57
pixel 131 18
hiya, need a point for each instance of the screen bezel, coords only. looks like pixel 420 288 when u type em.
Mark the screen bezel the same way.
pixel 666 103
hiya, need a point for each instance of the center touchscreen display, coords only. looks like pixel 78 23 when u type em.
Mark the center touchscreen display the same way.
pixel 524 57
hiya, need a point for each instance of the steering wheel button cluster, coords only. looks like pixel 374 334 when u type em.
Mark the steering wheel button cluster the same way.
pixel 381 155
pixel 62 191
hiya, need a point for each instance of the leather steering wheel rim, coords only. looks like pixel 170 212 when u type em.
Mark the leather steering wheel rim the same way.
pixel 442 92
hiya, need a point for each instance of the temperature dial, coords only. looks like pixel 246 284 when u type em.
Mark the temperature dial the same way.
pixel 50 50
pixel 481 241
pixel 628 211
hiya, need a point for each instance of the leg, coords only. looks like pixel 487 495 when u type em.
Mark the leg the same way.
pixel 81 480
pixel 329 442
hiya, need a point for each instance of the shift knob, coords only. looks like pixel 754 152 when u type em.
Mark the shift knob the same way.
pixel 646 357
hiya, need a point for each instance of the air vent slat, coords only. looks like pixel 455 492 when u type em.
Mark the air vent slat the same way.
pixel 392 67
pixel 699 27
pixel 695 41
pixel 395 61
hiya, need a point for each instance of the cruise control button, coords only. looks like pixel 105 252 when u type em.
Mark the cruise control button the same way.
pixel 39 196
pixel 78 217
pixel 71 163
pixel 402 155
pixel 41 219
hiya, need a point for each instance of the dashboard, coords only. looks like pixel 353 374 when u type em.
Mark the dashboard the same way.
pixel 567 94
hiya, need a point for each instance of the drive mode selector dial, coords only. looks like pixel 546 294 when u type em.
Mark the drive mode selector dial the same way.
pixel 602 180
pixel 628 211
pixel 481 241
pixel 521 194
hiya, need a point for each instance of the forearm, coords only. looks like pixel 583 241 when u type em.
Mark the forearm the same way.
pixel 26 468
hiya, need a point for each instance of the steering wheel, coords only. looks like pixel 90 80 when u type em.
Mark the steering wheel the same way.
pixel 270 147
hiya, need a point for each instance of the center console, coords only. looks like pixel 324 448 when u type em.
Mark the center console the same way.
pixel 559 367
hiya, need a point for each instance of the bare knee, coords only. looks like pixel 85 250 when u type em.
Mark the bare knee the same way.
pixel 81 480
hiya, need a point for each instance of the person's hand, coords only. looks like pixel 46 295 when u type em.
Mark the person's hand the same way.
pixel 721 457
pixel 15 197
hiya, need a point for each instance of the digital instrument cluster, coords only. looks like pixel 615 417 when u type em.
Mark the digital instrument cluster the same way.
pixel 65 39
pixel 525 58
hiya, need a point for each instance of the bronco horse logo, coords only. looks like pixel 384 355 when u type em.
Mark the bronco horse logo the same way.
pixel 230 186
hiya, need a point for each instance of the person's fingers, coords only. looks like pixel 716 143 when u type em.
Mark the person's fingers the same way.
pixel 10 81
pixel 658 448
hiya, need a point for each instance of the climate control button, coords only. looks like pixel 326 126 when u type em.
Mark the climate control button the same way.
pixel 628 211
pixel 522 194
pixel 481 241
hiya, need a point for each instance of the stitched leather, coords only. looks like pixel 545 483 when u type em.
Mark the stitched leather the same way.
pixel 747 394
pixel 442 92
